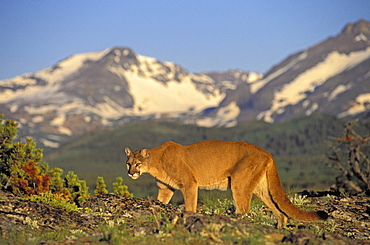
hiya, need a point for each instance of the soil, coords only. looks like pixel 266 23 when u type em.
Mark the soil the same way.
pixel 348 222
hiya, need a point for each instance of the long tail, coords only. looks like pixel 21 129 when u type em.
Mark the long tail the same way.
pixel 284 204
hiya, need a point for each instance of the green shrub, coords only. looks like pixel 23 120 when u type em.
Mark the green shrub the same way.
pixel 120 189
pixel 101 187
pixel 78 189
pixel 54 199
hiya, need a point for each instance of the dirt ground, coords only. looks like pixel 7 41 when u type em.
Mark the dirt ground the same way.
pixel 348 223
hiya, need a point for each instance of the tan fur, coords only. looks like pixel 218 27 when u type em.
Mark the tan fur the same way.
pixel 243 167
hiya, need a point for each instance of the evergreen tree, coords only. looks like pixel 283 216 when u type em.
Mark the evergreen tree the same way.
pixel 120 189
pixel 22 171
pixel 8 130
pixel 84 193
pixel 101 187
pixel 77 188
pixel 56 182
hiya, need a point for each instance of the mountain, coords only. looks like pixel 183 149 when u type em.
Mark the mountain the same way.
pixel 109 88
pixel 117 86
pixel 332 77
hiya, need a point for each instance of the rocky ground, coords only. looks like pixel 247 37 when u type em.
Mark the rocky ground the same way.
pixel 154 222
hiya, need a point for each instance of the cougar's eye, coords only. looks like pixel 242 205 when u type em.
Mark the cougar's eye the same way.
pixel 138 164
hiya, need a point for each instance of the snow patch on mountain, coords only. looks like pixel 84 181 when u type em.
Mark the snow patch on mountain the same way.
pixel 58 122
pixel 150 96
pixel 29 93
pixel 109 109
pixel 69 66
pixel 360 37
pixel 226 116
pixel 259 84
pixel 338 90
pixel 13 108
pixel 252 77
pixel 153 68
pixel 360 104
pixel 313 108
pixel 49 143
pixel 51 75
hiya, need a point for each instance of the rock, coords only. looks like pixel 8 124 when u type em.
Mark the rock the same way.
pixel 274 238
pixel 341 215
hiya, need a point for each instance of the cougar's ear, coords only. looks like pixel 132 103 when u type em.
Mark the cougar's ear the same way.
pixel 128 151
pixel 145 153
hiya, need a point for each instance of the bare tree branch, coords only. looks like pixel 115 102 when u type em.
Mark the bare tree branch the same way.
pixel 349 158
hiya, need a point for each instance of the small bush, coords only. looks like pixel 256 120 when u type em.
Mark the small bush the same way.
pixel 101 187
pixel 120 189
pixel 77 188
pixel 54 199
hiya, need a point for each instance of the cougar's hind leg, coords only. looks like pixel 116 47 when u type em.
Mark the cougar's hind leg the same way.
pixel 242 198
pixel 242 186
pixel 165 192
pixel 244 179
pixel 262 191
pixel 190 193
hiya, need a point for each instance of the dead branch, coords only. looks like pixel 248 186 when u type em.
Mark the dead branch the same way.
pixel 355 167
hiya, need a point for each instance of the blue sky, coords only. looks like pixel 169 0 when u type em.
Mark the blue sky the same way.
pixel 198 35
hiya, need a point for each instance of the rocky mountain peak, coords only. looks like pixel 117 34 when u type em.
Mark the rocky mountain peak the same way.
pixel 116 57
pixel 360 27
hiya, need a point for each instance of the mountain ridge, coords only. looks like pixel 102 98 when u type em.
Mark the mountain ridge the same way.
pixel 117 86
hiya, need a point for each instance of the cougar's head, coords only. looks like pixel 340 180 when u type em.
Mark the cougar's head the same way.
pixel 137 162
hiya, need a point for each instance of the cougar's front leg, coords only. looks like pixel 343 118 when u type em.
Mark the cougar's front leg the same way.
pixel 165 192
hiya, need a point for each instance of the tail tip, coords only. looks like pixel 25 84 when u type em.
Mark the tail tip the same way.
pixel 322 215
